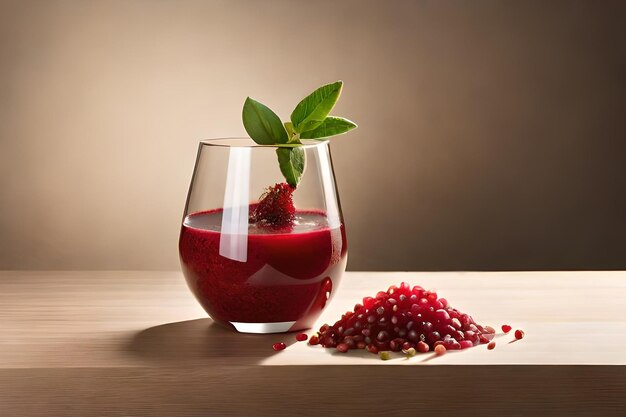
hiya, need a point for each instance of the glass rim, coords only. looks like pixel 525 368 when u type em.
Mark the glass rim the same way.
pixel 246 142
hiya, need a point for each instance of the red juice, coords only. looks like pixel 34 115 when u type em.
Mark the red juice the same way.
pixel 288 276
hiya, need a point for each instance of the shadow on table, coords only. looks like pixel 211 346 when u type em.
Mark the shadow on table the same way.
pixel 202 341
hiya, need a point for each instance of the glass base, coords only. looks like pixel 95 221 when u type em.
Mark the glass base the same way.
pixel 278 327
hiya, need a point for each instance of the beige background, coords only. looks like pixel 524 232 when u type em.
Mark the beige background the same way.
pixel 492 134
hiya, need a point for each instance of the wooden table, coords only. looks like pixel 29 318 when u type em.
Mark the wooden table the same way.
pixel 137 343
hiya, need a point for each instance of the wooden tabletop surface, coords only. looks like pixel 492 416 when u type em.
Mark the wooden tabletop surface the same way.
pixel 137 343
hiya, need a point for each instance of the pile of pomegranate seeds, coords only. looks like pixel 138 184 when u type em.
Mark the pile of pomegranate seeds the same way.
pixel 403 318
pixel 276 208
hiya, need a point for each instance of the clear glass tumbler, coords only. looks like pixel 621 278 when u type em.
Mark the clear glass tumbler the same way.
pixel 257 279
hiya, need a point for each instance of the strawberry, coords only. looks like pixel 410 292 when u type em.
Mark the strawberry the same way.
pixel 275 208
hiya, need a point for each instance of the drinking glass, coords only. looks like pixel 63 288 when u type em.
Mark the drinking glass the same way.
pixel 253 278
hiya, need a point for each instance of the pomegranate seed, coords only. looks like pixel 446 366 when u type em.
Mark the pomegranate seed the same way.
pixel 491 345
pixel 314 340
pixel 466 344
pixel 342 347
pixel 454 345
pixel 384 355
pixel 415 309
pixel 422 347
pixel 410 352
pixel 382 345
pixel 426 326
pixel 279 346
pixel 490 329
pixel 440 350
pixel 447 329
pixel 372 348
pixel 301 337
pixel 395 345
pixel 349 341
pixel 519 334
pixel 360 345
pixel 506 328
pixel 406 346
pixel 432 337
pixel 442 315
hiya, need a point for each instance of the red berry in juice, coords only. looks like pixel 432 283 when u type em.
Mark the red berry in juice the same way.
pixel 288 276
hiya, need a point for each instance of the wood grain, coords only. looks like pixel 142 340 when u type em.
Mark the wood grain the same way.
pixel 137 343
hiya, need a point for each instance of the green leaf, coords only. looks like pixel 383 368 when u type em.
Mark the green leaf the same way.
pixel 313 109
pixel 331 126
pixel 294 138
pixel 289 129
pixel 262 124
pixel 291 161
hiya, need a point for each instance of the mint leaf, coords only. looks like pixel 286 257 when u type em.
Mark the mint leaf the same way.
pixel 291 161
pixel 313 109
pixel 262 124
pixel 309 120
pixel 330 126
